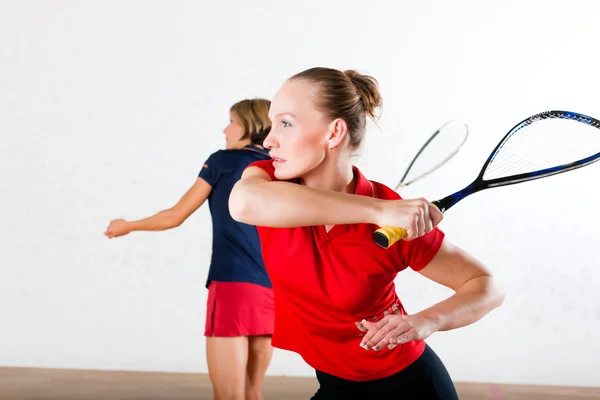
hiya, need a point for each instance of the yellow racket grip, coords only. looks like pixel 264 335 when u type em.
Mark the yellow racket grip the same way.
pixel 388 235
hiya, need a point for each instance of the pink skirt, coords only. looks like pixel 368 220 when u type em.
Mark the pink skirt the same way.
pixel 239 309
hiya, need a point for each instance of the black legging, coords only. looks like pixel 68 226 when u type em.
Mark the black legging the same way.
pixel 425 379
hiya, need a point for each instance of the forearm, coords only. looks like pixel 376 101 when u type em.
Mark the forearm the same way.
pixel 470 303
pixel 160 221
pixel 284 205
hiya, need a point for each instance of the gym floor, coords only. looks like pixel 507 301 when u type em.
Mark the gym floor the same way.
pixel 56 384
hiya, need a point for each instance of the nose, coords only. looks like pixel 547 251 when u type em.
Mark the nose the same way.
pixel 269 141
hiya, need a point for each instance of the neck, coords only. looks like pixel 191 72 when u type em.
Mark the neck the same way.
pixel 242 143
pixel 333 174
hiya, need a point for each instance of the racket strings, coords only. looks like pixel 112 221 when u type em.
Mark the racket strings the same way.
pixel 437 151
pixel 525 155
pixel 543 144
pixel 515 162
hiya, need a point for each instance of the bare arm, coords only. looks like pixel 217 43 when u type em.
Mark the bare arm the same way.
pixel 477 292
pixel 293 205
pixel 166 219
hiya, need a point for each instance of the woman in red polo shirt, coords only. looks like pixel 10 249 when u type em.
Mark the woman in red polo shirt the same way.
pixel 335 299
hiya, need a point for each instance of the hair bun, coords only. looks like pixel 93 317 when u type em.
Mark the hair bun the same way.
pixel 368 90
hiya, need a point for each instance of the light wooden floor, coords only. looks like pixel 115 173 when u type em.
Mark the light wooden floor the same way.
pixel 52 384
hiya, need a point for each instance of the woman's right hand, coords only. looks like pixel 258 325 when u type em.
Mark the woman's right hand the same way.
pixel 417 216
pixel 118 227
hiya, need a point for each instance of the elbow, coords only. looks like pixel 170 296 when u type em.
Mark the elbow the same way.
pixel 175 222
pixel 172 219
pixel 172 222
pixel 239 206
pixel 501 297
pixel 496 292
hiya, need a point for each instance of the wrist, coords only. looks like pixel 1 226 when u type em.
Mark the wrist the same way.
pixel 375 212
pixel 433 319
pixel 131 226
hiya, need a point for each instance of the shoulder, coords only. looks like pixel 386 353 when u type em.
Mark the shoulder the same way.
pixel 370 188
pixel 266 166
pixel 246 154
pixel 236 158
pixel 263 164
pixel 384 192
pixel 216 156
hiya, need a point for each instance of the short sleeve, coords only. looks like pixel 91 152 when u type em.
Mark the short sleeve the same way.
pixel 417 253
pixel 212 169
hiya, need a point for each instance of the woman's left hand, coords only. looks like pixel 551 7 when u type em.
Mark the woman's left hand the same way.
pixel 396 329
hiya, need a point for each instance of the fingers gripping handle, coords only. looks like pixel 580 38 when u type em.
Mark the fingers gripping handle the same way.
pixel 386 236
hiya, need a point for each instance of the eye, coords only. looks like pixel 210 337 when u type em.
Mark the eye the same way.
pixel 285 124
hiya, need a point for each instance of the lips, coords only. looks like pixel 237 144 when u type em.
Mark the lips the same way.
pixel 277 160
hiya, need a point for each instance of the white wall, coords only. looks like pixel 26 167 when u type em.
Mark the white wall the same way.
pixel 109 108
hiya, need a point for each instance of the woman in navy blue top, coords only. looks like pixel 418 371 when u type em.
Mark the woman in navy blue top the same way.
pixel 239 317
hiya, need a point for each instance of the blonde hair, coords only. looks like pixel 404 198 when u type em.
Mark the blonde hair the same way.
pixel 254 116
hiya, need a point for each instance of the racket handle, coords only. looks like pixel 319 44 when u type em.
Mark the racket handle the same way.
pixel 386 236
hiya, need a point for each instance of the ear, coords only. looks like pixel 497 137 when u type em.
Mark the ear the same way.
pixel 338 129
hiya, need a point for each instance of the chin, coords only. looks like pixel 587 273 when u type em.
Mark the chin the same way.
pixel 284 173
pixel 288 172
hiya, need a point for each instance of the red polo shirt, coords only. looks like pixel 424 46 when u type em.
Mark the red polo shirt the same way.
pixel 325 283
